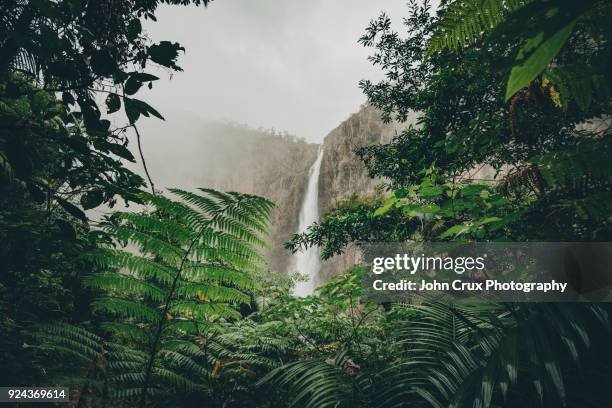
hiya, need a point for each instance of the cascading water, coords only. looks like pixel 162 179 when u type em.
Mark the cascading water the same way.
pixel 307 262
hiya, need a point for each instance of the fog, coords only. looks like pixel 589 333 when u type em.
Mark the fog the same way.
pixel 291 65
pixel 288 65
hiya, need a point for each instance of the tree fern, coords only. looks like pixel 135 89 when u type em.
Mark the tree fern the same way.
pixel 183 265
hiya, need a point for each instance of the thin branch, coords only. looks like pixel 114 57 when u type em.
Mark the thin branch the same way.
pixel 144 163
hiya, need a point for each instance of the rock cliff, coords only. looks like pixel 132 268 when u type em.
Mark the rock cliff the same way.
pixel 344 175
pixel 188 153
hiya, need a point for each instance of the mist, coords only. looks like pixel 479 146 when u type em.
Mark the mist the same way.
pixel 290 65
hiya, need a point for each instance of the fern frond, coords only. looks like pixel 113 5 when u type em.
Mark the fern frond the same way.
pixel 205 204
pixel 62 338
pixel 208 291
pixel 125 308
pixel 197 272
pixel 129 332
pixel 134 377
pixel 113 259
pixel 251 217
pixel 225 242
pixel 242 261
pixel 173 378
pixel 168 229
pixel 26 63
pixel 201 310
pixel 120 284
pixel 465 21
pixel 181 212
pixel 224 198
pixel 589 159
pixel 239 230
pixel 121 352
pixel 184 326
pixel 178 360
pixel 313 383
pixel 146 243
pixel 193 262
pixel 185 347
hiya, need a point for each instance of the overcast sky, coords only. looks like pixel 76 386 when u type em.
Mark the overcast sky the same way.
pixel 292 65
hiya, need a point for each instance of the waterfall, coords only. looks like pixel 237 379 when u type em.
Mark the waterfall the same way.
pixel 308 262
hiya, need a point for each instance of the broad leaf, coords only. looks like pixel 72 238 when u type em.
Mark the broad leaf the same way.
pixel 555 27
pixel 72 209
pixel 113 103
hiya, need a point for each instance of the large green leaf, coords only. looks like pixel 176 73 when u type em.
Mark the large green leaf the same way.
pixel 113 103
pixel 535 55
pixel 389 204
pixel 92 199
pixel 131 110
pixel 552 25
pixel 71 209
pixel 132 85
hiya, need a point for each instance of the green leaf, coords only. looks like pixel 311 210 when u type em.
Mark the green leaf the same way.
pixel 121 151
pixel 165 53
pixel 113 103
pixel 37 194
pixel 454 231
pixel 72 209
pixel 132 85
pixel 78 143
pixel 507 220
pixel 144 77
pixel 66 229
pixel 423 208
pixel 146 109
pixel 488 220
pixel 401 193
pixel 67 98
pixel 103 63
pixel 429 192
pixel 135 107
pixel 134 29
pixel 92 199
pixel 473 189
pixel 535 56
pixel 389 204
pixel 579 81
pixel 131 110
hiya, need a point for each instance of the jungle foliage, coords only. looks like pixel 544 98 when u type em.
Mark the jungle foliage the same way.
pixel 170 303
pixel 512 143
pixel 474 166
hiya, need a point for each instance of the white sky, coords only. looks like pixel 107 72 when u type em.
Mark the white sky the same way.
pixel 292 65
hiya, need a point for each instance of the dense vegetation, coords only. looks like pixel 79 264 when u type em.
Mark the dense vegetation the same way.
pixel 170 304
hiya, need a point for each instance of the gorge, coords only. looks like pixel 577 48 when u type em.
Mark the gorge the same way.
pixel 297 176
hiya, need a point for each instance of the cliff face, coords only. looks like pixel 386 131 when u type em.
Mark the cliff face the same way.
pixel 231 157
pixel 343 174
pixel 188 153
pixel 270 165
